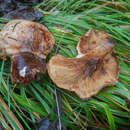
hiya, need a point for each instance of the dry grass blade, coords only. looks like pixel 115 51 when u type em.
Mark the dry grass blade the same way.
pixel 11 114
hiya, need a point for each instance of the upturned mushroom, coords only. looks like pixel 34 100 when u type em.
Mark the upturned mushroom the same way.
pixel 94 68
pixel 27 44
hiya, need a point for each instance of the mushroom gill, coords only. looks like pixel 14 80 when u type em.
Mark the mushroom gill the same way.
pixel 27 43
pixel 94 68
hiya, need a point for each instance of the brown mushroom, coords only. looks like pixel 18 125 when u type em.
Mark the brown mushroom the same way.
pixel 94 67
pixel 27 44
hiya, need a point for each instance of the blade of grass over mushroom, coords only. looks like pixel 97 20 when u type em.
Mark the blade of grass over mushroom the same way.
pixel 2 68
pixel 8 92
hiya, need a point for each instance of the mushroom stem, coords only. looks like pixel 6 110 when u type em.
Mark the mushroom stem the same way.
pixel 26 67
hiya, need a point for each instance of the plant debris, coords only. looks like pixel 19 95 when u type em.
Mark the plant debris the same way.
pixel 57 124
pixel 13 9
pixel 93 68
pixel 2 127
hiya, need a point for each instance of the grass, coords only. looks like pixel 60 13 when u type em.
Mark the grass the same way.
pixel 21 106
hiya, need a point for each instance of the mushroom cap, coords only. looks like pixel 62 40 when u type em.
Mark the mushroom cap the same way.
pixel 91 40
pixel 27 44
pixel 95 68
pixel 25 36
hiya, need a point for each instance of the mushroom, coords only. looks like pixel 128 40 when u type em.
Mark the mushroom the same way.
pixel 94 68
pixel 27 44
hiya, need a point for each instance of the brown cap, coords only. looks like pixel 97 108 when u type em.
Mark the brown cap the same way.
pixel 27 43
pixel 26 36
pixel 95 66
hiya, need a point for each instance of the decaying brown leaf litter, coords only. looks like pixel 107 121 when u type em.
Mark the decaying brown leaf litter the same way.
pixel 28 43
pixel 14 9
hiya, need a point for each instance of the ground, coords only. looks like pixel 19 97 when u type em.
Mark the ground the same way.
pixel 22 106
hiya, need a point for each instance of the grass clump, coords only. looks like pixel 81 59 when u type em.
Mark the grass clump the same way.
pixel 21 106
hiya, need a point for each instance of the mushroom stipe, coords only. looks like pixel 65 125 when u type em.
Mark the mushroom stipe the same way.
pixel 28 43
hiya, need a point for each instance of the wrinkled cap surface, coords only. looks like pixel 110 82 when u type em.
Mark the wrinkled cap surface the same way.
pixel 27 44
pixel 26 36
pixel 95 67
